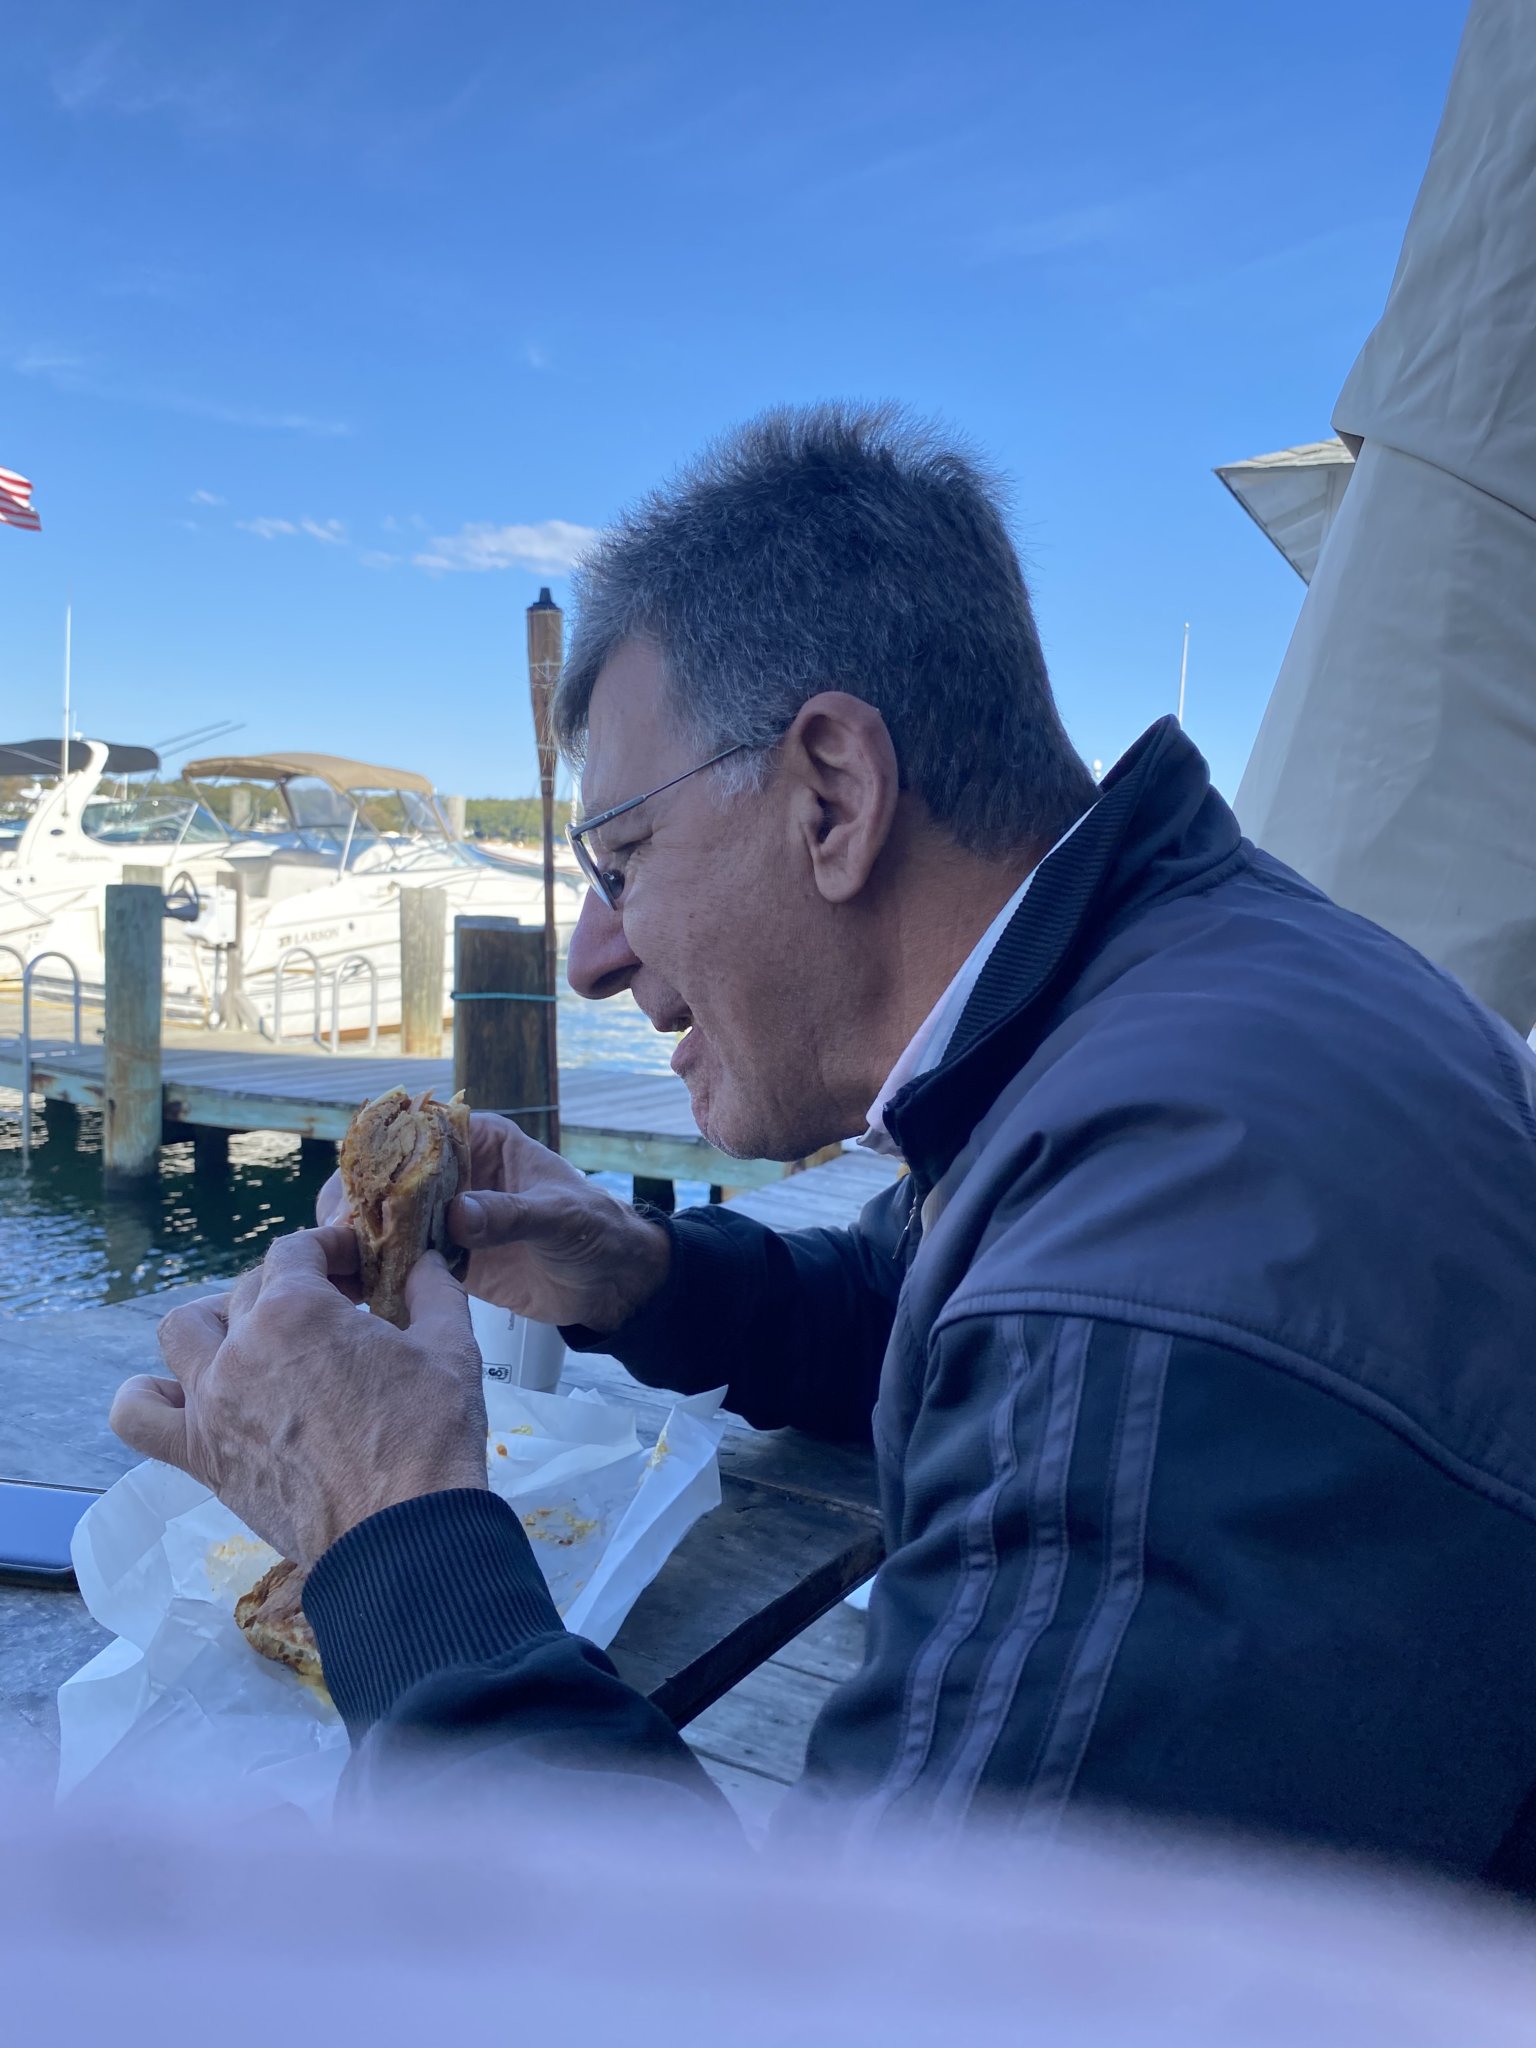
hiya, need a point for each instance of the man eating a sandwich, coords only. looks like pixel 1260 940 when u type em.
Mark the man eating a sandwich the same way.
pixel 1196 1344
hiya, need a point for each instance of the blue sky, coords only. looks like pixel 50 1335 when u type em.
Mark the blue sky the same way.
pixel 327 330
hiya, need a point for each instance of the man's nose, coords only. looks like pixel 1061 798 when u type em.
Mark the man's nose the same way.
pixel 599 962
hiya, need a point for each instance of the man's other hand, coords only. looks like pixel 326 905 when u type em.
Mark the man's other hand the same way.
pixel 542 1240
pixel 302 1414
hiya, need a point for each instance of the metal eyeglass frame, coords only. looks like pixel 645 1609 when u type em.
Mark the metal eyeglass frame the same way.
pixel 576 831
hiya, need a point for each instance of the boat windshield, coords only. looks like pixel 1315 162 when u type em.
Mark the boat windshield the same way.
pixel 151 821
pixel 306 819
pixel 391 821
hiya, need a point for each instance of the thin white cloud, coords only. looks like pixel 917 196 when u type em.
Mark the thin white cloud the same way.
pixel 71 374
pixel 40 362
pixel 551 548
pixel 332 532
pixel 536 357
pixel 112 78
pixel 1052 234
pixel 376 558
pixel 205 498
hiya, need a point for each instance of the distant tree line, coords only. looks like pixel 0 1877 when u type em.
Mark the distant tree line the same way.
pixel 510 817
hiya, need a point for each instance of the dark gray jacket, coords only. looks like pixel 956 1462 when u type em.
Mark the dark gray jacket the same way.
pixel 1200 1352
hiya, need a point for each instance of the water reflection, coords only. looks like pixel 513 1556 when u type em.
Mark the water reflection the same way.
pixel 62 1242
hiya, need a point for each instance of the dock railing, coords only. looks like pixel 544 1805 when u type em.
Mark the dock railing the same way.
pixel 279 976
pixel 28 977
pixel 348 970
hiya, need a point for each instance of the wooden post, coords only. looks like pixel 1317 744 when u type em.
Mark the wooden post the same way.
pixel 154 877
pixel 504 1023
pixel 244 1012
pixel 546 654
pixel 62 1121
pixel 453 810
pixel 239 1013
pixel 423 950
pixel 210 1151
pixel 131 1124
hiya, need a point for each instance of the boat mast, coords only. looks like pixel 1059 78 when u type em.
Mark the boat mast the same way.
pixel 1183 671
pixel 64 750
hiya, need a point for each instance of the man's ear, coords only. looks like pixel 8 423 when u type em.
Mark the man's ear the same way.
pixel 841 768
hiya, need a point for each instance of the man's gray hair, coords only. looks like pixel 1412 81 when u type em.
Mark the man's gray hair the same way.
pixel 837 547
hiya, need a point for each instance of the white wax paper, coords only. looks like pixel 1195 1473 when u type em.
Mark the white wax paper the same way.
pixel 180 1709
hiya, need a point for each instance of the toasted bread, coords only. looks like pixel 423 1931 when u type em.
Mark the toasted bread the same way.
pixel 402 1163
pixel 271 1617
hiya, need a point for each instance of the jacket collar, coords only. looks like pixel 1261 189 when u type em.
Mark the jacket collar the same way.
pixel 1157 829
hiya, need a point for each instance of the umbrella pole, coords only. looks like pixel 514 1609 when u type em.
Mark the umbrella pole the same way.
pixel 546 651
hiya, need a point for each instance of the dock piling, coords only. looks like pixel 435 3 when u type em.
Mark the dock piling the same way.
pixel 504 1023
pixel 131 1124
pixel 210 1151
pixel 423 955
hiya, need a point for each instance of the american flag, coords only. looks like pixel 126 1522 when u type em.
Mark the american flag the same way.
pixel 16 502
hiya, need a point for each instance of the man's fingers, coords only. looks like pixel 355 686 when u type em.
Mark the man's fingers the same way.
pixel 338 1241
pixel 489 1138
pixel 436 1306
pixel 190 1335
pixel 479 1221
pixel 298 1273
pixel 312 1254
pixel 245 1291
pixel 297 1261
pixel 150 1416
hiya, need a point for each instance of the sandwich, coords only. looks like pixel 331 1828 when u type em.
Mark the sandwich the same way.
pixel 402 1163
pixel 271 1617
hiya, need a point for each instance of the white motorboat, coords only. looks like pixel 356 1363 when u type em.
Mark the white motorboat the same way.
pixel 302 891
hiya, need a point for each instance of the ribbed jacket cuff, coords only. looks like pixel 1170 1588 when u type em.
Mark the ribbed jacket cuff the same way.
pixel 431 1585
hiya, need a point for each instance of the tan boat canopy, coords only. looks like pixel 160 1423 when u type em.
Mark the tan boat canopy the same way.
pixel 335 769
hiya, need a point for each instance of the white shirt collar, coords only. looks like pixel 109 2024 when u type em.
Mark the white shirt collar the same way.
pixel 931 1040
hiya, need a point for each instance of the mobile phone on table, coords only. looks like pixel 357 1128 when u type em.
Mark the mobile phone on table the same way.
pixel 36 1524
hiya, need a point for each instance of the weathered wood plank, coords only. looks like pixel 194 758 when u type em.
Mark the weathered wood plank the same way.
pixel 832 1648
pixel 423 957
pixel 767 1719
pixel 741 1584
pixel 133 942
pixel 763 1723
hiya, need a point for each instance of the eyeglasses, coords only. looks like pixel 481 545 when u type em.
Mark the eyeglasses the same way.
pixel 607 882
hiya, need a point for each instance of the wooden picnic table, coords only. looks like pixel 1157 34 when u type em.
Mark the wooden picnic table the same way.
pixel 797 1527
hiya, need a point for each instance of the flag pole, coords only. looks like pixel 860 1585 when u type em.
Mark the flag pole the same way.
pixel 1183 671
pixel 546 652
pixel 64 750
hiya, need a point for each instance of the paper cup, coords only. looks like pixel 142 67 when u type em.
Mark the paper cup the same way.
pixel 515 1352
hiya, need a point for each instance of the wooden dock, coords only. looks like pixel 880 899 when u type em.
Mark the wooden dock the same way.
pixel 613 1119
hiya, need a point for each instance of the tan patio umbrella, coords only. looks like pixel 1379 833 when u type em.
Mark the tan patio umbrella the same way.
pixel 1396 764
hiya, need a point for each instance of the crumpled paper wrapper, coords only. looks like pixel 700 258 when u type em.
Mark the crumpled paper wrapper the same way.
pixel 181 1711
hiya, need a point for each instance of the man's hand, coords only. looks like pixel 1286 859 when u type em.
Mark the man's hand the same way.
pixel 543 1241
pixel 302 1414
